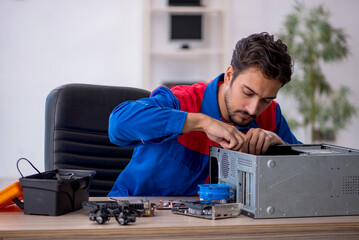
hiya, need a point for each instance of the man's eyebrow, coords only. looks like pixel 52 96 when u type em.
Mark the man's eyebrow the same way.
pixel 254 92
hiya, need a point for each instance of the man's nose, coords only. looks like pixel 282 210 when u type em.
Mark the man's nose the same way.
pixel 252 107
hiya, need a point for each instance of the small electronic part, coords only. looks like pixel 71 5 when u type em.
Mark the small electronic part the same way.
pixel 209 210
pixel 142 208
pixel 215 203
pixel 169 204
pixel 122 210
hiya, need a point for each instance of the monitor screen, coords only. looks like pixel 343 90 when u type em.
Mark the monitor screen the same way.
pixel 186 27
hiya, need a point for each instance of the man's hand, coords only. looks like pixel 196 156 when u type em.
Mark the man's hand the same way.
pixel 226 135
pixel 256 141
pixel 259 140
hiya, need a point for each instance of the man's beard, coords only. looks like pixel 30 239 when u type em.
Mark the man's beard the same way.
pixel 231 113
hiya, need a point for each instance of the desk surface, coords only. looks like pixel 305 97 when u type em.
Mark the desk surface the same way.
pixel 165 225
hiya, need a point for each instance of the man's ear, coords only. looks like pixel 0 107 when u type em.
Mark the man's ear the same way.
pixel 228 75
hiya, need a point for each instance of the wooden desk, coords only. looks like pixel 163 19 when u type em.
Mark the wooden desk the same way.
pixel 166 225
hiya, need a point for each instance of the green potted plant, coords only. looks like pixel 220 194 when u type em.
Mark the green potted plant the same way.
pixel 313 41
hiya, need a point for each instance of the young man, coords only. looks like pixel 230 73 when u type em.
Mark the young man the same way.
pixel 173 129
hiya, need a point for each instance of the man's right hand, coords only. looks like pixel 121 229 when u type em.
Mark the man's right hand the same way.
pixel 229 137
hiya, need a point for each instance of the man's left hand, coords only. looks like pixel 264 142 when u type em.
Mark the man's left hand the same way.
pixel 259 140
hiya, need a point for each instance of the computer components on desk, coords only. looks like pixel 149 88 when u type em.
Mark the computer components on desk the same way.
pixel 208 210
pixel 216 201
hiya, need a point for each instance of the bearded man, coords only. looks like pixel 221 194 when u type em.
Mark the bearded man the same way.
pixel 173 129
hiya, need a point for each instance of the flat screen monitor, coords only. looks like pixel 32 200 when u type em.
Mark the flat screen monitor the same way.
pixel 186 27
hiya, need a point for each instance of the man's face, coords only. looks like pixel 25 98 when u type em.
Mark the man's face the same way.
pixel 249 95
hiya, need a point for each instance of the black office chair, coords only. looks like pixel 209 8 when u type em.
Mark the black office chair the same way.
pixel 76 137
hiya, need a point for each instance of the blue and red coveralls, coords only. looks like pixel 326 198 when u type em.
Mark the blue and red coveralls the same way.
pixel 166 162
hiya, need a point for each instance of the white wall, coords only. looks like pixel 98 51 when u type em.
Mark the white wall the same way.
pixel 269 15
pixel 44 44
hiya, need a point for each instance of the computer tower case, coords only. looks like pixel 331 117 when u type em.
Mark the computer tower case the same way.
pixel 291 180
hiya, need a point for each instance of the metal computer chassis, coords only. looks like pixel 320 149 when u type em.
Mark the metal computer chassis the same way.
pixel 291 180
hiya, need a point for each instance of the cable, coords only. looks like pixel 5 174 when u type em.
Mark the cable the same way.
pixel 17 166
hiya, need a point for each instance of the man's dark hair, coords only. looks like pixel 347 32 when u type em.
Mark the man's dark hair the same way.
pixel 262 51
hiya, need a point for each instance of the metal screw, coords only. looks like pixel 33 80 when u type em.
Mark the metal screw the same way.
pixel 270 210
pixel 271 163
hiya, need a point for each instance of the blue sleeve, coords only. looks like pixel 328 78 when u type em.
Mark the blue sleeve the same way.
pixel 149 120
pixel 283 130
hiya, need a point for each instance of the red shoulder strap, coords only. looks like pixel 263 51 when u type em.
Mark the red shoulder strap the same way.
pixel 190 98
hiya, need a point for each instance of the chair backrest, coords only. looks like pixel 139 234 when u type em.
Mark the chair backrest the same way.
pixel 76 131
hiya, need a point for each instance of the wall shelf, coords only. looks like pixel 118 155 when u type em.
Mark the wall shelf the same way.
pixel 164 60
pixel 189 52
pixel 200 9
